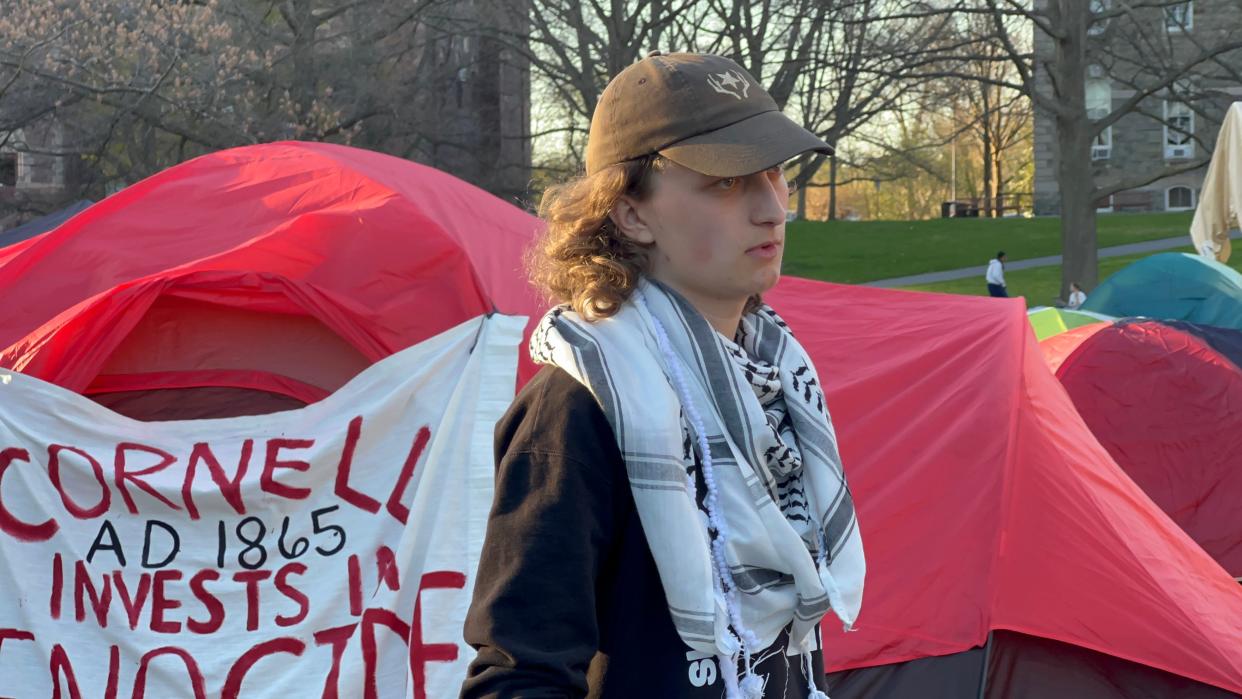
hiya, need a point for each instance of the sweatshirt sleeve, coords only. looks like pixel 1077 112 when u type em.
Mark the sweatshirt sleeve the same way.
pixel 533 616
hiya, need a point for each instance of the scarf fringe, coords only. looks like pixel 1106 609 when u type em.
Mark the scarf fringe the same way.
pixel 808 671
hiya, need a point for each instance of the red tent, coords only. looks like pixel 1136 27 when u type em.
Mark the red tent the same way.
pixel 1165 400
pixel 992 518
pixel 256 278
pixel 1003 543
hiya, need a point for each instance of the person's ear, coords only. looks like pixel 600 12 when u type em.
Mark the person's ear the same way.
pixel 628 218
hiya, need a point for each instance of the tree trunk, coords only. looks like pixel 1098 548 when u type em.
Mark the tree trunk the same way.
pixel 1074 177
pixel 1078 240
pixel 987 116
pixel 1000 185
pixel 832 187
pixel 802 203
pixel 989 202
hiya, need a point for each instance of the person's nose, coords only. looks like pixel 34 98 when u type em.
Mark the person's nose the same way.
pixel 771 200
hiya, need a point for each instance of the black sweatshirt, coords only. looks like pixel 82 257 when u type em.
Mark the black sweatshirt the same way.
pixel 567 600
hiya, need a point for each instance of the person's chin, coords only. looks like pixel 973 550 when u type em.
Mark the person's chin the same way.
pixel 767 278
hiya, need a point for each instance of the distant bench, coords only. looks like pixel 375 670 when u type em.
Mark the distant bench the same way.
pixel 1131 200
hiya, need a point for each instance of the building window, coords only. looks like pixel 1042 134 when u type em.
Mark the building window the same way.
pixel 1099 105
pixel 1102 146
pixel 8 169
pixel 1179 127
pixel 1179 17
pixel 1097 26
pixel 1179 199
pixel 1105 205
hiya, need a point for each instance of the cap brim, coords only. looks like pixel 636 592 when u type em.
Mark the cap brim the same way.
pixel 750 145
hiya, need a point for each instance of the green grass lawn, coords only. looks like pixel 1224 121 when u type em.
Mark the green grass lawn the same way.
pixel 862 251
pixel 1041 285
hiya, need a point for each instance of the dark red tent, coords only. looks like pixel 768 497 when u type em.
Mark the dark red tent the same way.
pixel 1165 400
pixel 264 277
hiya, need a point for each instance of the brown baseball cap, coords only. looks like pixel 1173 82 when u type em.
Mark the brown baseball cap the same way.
pixel 701 111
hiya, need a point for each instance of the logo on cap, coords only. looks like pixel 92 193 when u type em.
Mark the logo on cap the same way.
pixel 729 82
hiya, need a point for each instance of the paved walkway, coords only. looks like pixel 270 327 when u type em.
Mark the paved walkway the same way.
pixel 1114 251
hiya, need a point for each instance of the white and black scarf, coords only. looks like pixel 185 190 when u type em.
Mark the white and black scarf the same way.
pixel 783 509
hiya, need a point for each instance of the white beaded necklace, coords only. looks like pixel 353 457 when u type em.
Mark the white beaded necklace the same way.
pixel 751 685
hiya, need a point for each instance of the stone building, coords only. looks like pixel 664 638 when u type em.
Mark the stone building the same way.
pixel 1173 129
pixel 474 118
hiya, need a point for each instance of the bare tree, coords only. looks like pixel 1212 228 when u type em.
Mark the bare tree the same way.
pixel 574 48
pixel 95 75
pixel 127 88
pixel 1000 118
pixel 1134 43
pixel 812 57
pixel 832 65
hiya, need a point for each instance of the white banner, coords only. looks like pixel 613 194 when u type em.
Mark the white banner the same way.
pixel 322 552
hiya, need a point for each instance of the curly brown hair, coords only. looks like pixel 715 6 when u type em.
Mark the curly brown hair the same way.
pixel 580 258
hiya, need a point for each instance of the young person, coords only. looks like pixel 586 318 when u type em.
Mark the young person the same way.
pixel 671 518
pixel 996 276
pixel 1077 297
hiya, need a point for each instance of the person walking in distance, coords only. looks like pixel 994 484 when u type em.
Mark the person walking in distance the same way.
pixel 671 515
pixel 996 276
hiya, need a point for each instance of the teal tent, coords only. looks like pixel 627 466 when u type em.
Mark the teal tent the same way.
pixel 1173 286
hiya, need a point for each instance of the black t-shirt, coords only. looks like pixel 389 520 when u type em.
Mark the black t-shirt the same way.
pixel 567 600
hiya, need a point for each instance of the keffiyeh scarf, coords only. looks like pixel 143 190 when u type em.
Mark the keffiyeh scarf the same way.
pixel 733 464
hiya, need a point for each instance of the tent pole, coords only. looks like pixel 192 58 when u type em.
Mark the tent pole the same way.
pixel 983 670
